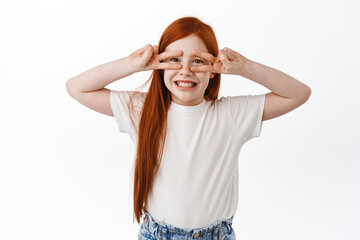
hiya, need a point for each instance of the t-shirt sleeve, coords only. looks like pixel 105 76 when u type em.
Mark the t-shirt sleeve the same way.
pixel 119 101
pixel 247 112
pixel 119 105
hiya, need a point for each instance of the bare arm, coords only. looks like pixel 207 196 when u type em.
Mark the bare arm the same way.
pixel 278 82
pixel 286 94
pixel 100 76
pixel 143 59
pixel 88 88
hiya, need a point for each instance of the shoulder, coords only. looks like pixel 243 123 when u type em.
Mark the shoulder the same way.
pixel 241 100
pixel 126 96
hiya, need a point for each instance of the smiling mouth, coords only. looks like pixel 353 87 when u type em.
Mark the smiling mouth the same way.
pixel 185 84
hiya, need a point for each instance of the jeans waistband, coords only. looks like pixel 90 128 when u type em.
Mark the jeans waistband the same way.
pixel 155 227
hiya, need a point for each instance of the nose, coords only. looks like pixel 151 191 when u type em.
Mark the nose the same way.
pixel 185 70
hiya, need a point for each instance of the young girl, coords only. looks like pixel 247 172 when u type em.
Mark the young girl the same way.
pixel 188 141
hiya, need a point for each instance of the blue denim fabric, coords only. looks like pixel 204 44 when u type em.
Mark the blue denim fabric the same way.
pixel 153 230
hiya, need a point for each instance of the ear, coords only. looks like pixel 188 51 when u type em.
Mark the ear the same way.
pixel 212 75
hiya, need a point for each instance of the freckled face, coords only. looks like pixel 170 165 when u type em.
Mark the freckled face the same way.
pixel 181 96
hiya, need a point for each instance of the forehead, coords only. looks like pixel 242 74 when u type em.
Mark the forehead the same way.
pixel 187 44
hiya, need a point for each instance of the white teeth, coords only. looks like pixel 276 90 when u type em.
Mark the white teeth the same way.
pixel 185 84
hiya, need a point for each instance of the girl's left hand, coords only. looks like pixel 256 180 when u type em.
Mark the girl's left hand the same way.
pixel 228 62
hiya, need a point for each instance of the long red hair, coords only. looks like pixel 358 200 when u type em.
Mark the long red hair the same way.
pixel 153 120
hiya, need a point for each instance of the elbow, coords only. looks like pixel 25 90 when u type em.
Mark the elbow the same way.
pixel 68 86
pixel 307 93
pixel 67 83
pixel 303 94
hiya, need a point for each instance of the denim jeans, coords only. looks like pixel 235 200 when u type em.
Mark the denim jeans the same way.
pixel 153 230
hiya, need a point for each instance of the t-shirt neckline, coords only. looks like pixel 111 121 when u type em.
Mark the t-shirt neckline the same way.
pixel 178 108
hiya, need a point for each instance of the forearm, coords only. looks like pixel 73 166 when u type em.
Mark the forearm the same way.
pixel 275 80
pixel 100 76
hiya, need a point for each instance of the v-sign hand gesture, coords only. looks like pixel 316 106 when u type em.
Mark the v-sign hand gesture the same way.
pixel 227 62
pixel 147 58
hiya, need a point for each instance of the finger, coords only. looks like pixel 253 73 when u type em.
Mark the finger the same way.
pixel 229 50
pixel 231 56
pixel 230 53
pixel 141 51
pixel 156 48
pixel 166 55
pixel 148 52
pixel 147 47
pixel 169 66
pixel 204 68
pixel 207 56
pixel 223 57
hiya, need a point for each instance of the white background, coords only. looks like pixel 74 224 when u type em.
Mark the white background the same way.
pixel 65 169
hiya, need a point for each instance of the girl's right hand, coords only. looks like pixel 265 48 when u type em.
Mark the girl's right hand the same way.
pixel 147 58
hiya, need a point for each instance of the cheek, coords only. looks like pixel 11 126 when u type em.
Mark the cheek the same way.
pixel 167 77
pixel 204 76
pixel 167 74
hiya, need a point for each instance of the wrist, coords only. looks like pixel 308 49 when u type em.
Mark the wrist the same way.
pixel 246 67
pixel 128 65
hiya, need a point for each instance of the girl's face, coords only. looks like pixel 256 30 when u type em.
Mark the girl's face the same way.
pixel 185 95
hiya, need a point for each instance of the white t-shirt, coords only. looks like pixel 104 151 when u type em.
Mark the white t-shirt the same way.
pixel 197 182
